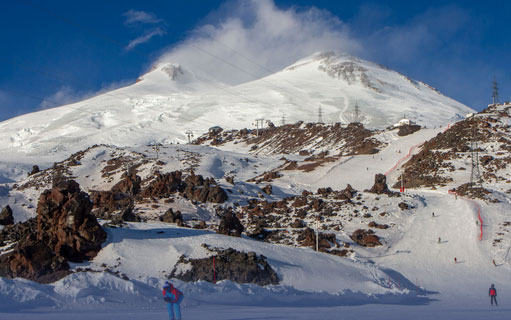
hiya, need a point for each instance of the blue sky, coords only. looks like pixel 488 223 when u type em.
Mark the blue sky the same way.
pixel 57 52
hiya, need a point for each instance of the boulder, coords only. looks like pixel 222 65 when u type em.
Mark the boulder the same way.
pixel 173 217
pixel 380 184
pixel 6 217
pixel 63 231
pixel 230 225
pixel 64 222
pixel 267 189
pixel 366 238
pixel 130 184
pixel 35 169
pixel 230 264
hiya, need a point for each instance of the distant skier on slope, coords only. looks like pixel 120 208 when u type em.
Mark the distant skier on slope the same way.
pixel 173 297
pixel 493 295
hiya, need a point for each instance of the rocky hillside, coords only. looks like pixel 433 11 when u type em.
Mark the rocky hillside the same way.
pixel 446 160
pixel 299 138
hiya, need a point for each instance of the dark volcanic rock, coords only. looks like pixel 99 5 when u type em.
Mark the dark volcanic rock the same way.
pixel 35 169
pixel 18 231
pixel 6 217
pixel 229 264
pixel 64 222
pixel 194 187
pixel 164 185
pixel 268 189
pixel 366 238
pixel 380 184
pixel 66 231
pixel 307 238
pixel 230 225
pixel 173 217
pixel 33 260
pixel 403 206
pixel 106 202
pixel 130 184
pixel 408 129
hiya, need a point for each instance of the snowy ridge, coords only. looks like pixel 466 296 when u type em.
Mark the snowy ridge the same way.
pixel 171 99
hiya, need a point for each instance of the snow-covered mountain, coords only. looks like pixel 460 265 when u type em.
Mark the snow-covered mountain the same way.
pixel 171 99
pixel 283 184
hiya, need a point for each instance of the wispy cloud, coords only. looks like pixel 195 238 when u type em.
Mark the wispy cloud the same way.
pixel 145 37
pixel 140 17
pixel 153 26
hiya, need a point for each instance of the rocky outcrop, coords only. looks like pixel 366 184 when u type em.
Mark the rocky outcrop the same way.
pixel 65 224
pixel 173 217
pixel 35 169
pixel 229 264
pixel 307 238
pixel 203 190
pixel 366 238
pixel 408 129
pixel 194 187
pixel 6 217
pixel 230 225
pixel 164 185
pixel 65 231
pixel 16 232
pixel 380 184
pixel 107 202
pixel 130 184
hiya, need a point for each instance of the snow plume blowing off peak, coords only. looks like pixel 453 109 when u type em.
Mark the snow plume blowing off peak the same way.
pixel 254 38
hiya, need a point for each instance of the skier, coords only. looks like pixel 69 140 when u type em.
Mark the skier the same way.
pixel 433 214
pixel 455 260
pixel 494 264
pixel 173 297
pixel 493 295
pixel 439 240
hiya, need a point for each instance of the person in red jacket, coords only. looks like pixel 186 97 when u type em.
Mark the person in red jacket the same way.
pixel 173 297
pixel 493 295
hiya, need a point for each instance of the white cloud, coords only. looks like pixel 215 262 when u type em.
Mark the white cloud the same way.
pixel 140 17
pixel 259 38
pixel 145 37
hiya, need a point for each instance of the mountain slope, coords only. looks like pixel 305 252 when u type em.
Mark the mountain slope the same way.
pixel 171 99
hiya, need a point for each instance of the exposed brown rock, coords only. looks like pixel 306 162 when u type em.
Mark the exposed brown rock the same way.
pixel 35 169
pixel 174 217
pixel 374 224
pixel 267 189
pixel 229 264
pixel 66 231
pixel 130 184
pixel 64 222
pixel 366 238
pixel 230 225
pixel 380 184
pixel 6 217
pixel 408 129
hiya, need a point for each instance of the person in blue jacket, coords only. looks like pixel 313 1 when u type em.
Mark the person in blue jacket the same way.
pixel 493 295
pixel 173 297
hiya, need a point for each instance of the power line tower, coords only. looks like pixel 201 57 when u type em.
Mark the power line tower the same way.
pixel 283 120
pixel 357 113
pixel 475 174
pixel 495 95
pixel 320 115
pixel 257 124
pixel 189 133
